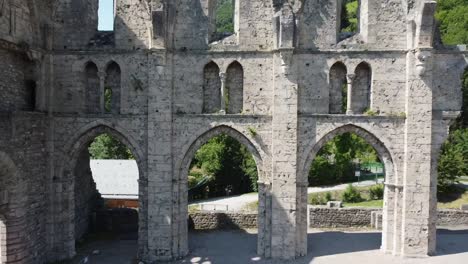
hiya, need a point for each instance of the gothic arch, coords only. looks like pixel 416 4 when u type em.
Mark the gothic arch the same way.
pixel 71 154
pixel 361 94
pixel 382 151
pixel 235 88
pixel 112 88
pixel 337 78
pixel 211 88
pixel 182 168
pixel 92 87
pixel 203 138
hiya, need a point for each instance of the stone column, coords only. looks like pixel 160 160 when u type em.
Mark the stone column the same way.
pixel 222 76
pixel 102 80
pixel 349 102
pixel 264 219
pixel 284 159
pixel 419 201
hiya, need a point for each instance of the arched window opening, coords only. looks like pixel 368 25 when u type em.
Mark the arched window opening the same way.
pixel 106 191
pixel 361 91
pixel 93 96
pixel 112 89
pixel 106 15
pixel 338 89
pixel 30 95
pixel 221 168
pixel 211 88
pixel 235 88
pixel 349 18
pixel 223 15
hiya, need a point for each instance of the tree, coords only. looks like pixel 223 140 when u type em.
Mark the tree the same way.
pixel 225 16
pixel 453 21
pixel 349 16
pixel 335 161
pixel 228 163
pixel 107 147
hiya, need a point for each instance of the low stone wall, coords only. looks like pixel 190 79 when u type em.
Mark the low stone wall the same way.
pixel 323 217
pixel 452 218
pixel 222 220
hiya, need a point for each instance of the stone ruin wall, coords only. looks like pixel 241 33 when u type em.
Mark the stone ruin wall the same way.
pixel 162 48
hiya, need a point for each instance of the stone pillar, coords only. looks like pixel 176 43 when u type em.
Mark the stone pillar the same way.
pixel 349 102
pixel 160 202
pixel 419 201
pixel 284 159
pixel 264 219
pixel 224 99
pixel 102 80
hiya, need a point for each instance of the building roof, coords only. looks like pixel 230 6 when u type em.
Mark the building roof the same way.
pixel 116 179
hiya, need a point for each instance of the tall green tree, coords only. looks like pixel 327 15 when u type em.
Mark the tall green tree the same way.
pixel 229 164
pixel 225 16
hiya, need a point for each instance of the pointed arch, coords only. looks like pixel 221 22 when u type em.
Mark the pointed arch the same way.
pixel 235 88
pixel 337 88
pixel 211 88
pixel 92 86
pixel 362 88
pixel 384 154
pixel 112 87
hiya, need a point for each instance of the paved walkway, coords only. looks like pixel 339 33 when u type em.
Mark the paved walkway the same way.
pixel 330 247
pixel 238 202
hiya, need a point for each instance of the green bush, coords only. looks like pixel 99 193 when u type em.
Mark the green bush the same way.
pixel 351 195
pixel 376 192
pixel 328 197
pixel 316 199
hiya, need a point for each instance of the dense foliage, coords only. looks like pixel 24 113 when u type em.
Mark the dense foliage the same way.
pixel 228 164
pixel 453 21
pixel 336 161
pixel 349 16
pixel 452 16
pixel 224 16
pixel 107 147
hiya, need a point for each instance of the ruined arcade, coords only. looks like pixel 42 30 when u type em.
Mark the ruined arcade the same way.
pixel 274 84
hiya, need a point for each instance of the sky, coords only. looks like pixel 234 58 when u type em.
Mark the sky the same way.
pixel 106 15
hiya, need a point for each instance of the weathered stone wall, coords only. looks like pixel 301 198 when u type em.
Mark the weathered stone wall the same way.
pixel 286 50
pixel 22 185
pixel 222 220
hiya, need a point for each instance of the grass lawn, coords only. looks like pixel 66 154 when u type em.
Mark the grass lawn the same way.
pixel 372 203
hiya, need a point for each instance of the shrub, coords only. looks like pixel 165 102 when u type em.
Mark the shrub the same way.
pixel 328 197
pixel 376 192
pixel 316 199
pixel 351 195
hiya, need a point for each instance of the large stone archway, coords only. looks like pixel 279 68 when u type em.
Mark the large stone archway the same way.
pixel 264 211
pixel 72 156
pixel 384 155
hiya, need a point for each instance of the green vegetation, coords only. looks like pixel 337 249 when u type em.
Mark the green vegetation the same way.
pixel 107 147
pixel 349 17
pixel 225 16
pixel 453 162
pixel 453 21
pixel 335 162
pixel 376 192
pixel 108 100
pixel 351 195
pixel 227 164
